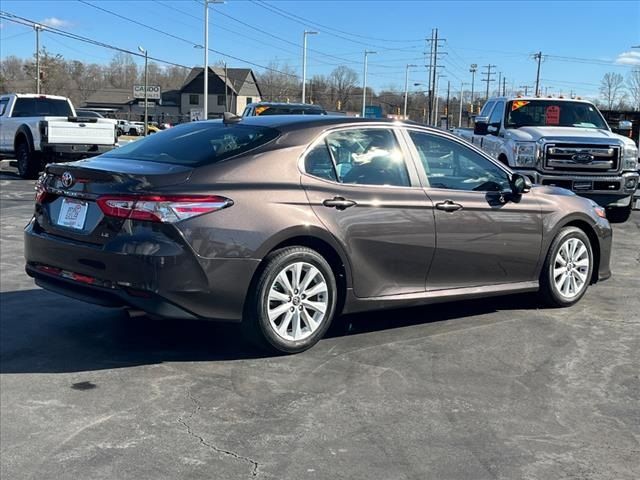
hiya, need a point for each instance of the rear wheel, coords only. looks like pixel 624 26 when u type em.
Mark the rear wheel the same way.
pixel 567 269
pixel 619 214
pixel 28 163
pixel 293 302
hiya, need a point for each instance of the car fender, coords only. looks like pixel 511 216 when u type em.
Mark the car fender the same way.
pixel 311 233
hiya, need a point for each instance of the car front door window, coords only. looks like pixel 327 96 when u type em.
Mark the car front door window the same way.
pixel 453 166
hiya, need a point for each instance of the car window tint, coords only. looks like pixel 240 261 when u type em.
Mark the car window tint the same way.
pixel 451 165
pixel 319 164
pixel 368 156
pixel 41 107
pixel 3 105
pixel 196 143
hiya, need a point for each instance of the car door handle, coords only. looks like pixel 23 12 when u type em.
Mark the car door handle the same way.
pixel 339 203
pixel 448 206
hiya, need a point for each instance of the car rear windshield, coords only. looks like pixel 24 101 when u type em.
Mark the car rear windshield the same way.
pixel 198 143
pixel 552 113
pixel 41 107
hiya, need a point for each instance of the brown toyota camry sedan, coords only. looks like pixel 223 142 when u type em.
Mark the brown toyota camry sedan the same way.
pixel 285 222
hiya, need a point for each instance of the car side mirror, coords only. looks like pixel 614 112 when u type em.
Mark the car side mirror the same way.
pixel 520 184
pixel 625 125
pixel 480 127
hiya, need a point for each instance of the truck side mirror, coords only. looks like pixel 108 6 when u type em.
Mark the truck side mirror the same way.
pixel 480 127
pixel 624 125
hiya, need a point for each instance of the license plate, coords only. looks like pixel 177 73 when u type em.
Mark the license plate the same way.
pixel 72 213
pixel 582 185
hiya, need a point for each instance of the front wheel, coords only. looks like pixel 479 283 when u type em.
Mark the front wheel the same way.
pixel 293 302
pixel 567 269
pixel 619 214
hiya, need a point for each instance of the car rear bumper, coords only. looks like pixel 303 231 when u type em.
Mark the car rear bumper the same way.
pixel 170 282
pixel 615 190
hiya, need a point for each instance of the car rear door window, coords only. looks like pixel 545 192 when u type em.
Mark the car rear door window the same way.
pixel 451 165
pixel 318 163
pixel 368 156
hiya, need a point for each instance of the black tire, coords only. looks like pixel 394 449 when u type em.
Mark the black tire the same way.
pixel 256 324
pixel 619 214
pixel 549 292
pixel 133 132
pixel 28 162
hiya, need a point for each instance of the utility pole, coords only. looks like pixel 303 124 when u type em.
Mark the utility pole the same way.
pixel 462 84
pixel 304 62
pixel 473 69
pixel 37 28
pixel 406 89
pixel 434 74
pixel 364 81
pixel 526 89
pixel 448 94
pixel 504 86
pixel 430 67
pixel 538 57
pixel 488 73
pixel 499 82
pixel 226 90
pixel 146 103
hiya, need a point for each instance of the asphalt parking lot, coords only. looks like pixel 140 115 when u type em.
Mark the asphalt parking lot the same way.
pixel 489 389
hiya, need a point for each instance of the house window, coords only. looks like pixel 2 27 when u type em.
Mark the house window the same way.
pixel 221 100
pixel 249 100
pixel 194 100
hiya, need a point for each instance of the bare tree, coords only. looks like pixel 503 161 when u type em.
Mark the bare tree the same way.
pixel 633 85
pixel 343 80
pixel 279 83
pixel 611 88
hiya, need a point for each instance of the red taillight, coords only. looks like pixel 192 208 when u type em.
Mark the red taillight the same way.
pixel 161 208
pixel 41 192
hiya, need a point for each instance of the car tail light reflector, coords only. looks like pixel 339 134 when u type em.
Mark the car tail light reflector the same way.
pixel 161 208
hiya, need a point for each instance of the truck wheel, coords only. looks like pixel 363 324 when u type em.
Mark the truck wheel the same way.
pixel 28 162
pixel 567 269
pixel 619 214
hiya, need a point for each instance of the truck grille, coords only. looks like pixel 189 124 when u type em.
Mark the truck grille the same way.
pixel 586 158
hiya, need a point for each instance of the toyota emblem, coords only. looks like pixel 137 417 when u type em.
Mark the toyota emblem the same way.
pixel 67 179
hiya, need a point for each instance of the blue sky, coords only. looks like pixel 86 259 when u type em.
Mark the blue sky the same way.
pixel 584 39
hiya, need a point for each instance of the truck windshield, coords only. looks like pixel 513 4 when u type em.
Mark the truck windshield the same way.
pixel 550 113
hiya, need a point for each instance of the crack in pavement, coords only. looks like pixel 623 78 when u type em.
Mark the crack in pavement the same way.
pixel 196 409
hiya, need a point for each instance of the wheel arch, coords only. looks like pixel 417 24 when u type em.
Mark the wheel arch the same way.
pixel 23 134
pixel 589 231
pixel 320 241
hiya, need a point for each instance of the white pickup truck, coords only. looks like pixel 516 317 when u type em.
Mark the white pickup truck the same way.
pixel 561 142
pixel 37 129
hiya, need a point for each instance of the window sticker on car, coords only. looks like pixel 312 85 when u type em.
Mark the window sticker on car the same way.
pixel 518 104
pixel 259 110
pixel 552 115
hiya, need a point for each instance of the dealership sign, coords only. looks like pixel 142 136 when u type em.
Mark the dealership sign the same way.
pixel 153 92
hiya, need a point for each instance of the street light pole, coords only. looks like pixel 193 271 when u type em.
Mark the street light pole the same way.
pixel 205 103
pixel 473 69
pixel 406 89
pixel 462 84
pixel 304 62
pixel 146 103
pixel 364 80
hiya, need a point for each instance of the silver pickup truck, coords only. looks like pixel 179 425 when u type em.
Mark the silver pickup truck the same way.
pixel 561 142
pixel 37 129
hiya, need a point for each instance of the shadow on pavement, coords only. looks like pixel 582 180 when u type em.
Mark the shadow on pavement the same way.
pixel 42 332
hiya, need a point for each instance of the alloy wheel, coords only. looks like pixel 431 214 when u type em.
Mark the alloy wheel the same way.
pixel 571 268
pixel 298 300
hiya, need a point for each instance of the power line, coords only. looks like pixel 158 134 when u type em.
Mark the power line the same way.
pixel 190 42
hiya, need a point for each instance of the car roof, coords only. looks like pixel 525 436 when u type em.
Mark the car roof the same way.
pixel 530 98
pixel 285 104
pixel 37 95
pixel 294 122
